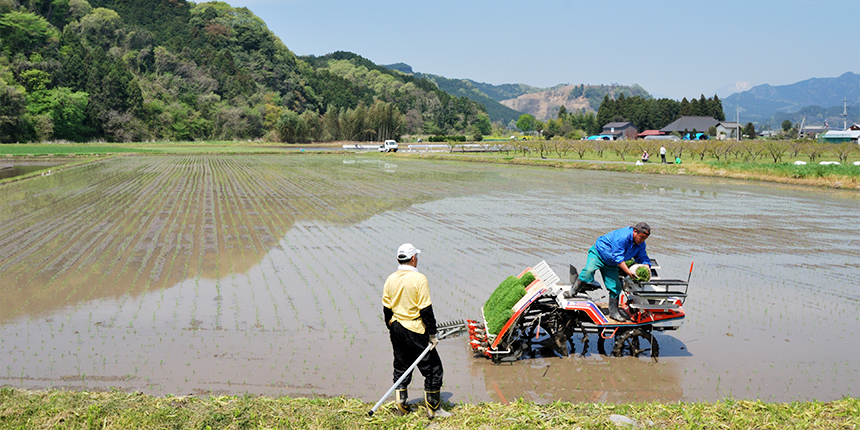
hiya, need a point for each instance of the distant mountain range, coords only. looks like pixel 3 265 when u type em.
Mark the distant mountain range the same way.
pixel 507 102
pixel 768 105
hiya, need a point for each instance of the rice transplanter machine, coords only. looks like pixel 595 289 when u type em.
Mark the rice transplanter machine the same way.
pixel 549 314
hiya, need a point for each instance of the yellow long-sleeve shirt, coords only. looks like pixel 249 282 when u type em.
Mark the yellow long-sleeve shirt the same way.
pixel 406 292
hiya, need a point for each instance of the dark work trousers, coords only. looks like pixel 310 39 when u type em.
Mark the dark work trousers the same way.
pixel 407 346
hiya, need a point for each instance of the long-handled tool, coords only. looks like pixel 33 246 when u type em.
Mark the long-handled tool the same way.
pixel 399 380
pixel 444 330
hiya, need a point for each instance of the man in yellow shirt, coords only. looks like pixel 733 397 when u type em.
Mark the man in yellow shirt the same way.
pixel 408 314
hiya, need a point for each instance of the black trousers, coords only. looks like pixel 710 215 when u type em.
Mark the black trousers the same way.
pixel 407 346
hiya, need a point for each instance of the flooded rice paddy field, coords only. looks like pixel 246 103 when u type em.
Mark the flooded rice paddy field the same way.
pixel 11 170
pixel 263 275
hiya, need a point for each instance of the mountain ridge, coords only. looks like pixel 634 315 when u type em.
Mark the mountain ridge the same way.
pixel 761 103
pixel 506 102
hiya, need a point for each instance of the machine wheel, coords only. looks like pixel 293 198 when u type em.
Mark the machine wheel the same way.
pixel 636 343
pixel 517 348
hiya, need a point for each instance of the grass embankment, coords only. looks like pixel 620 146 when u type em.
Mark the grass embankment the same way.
pixel 119 410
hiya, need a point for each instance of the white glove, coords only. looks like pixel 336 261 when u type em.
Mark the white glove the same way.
pixel 434 340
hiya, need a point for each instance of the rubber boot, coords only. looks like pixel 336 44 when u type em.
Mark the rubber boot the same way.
pixel 614 312
pixel 574 289
pixel 400 398
pixel 433 400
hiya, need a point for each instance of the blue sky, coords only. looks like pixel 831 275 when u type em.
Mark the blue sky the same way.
pixel 673 48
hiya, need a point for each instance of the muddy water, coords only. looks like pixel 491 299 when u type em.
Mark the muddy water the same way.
pixel 195 275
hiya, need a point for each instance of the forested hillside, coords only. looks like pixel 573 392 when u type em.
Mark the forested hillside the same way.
pixel 485 94
pixel 427 109
pixel 122 70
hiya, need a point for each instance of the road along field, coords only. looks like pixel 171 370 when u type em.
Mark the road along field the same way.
pixel 263 274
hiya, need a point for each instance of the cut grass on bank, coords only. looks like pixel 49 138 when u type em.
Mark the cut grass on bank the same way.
pixel 119 410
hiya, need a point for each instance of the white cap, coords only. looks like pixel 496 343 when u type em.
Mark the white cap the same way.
pixel 406 251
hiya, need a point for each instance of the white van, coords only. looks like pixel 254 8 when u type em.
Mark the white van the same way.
pixel 388 146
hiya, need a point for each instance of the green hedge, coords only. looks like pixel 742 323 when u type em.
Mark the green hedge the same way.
pixel 497 309
pixel 440 138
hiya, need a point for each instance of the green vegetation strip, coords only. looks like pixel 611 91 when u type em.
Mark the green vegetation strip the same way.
pixel 116 410
pixel 63 149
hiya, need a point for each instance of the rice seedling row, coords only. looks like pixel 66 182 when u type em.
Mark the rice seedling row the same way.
pixel 46 249
pixel 147 251
pixel 103 232
pixel 43 231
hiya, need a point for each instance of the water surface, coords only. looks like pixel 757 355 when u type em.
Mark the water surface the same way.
pixel 263 274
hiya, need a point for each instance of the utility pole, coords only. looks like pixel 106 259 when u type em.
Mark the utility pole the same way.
pixel 738 122
pixel 844 114
pixel 800 132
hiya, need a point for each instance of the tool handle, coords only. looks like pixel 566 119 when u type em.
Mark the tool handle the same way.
pixel 402 377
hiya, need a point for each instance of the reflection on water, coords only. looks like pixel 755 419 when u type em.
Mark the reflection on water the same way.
pixel 9 170
pixel 582 379
pixel 264 274
pixel 128 226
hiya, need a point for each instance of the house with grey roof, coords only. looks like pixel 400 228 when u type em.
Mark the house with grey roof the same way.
pixel 620 130
pixel 812 131
pixel 689 123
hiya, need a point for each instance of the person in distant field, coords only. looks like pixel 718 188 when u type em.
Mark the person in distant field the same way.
pixel 645 156
pixel 678 160
pixel 662 154
pixel 408 314
pixel 609 255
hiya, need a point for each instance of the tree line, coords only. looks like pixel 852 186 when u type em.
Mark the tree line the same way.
pixel 654 114
pixel 645 113
pixel 173 70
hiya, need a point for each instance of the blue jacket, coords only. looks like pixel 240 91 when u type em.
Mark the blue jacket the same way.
pixel 618 246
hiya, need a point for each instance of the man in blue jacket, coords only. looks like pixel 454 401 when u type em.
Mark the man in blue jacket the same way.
pixel 608 255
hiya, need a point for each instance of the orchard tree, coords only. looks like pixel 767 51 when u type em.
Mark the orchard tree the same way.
pixel 527 123
pixel 749 130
